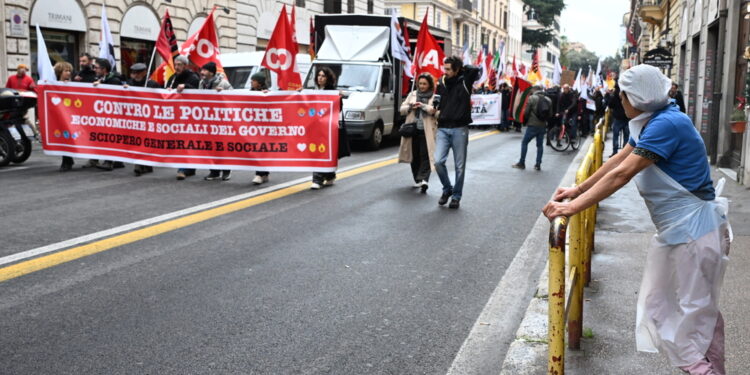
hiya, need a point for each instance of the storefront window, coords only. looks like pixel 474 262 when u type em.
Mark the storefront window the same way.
pixel 136 51
pixel 61 46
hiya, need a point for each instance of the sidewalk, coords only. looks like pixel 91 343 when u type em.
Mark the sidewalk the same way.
pixel 623 234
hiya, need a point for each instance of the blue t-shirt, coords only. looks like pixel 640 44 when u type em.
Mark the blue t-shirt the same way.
pixel 671 135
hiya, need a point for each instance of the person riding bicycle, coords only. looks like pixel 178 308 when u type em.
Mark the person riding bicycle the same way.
pixel 566 104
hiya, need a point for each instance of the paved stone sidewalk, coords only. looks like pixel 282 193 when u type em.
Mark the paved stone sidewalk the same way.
pixel 624 231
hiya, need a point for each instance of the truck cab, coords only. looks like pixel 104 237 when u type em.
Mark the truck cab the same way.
pixel 357 48
pixel 369 98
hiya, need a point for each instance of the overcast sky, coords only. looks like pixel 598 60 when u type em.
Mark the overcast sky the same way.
pixel 595 23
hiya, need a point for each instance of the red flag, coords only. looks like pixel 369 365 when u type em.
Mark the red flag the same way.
pixel 480 57
pixel 428 56
pixel 515 68
pixel 162 73
pixel 311 47
pixel 166 43
pixel 203 46
pixel 281 54
pixel 492 81
pixel 535 61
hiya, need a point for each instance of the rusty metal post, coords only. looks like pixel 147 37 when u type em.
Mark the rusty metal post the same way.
pixel 556 314
pixel 576 259
pixel 589 248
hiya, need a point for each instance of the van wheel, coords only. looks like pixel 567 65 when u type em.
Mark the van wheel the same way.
pixel 376 138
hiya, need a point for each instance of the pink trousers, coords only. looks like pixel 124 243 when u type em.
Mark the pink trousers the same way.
pixel 713 363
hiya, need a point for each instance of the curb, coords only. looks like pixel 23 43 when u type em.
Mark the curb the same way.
pixel 527 354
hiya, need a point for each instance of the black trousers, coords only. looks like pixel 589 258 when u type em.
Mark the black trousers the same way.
pixel 319 177
pixel 420 157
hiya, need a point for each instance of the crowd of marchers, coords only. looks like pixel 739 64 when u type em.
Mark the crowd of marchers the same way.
pixel 438 113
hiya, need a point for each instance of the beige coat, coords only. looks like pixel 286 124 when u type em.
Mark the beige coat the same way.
pixel 430 129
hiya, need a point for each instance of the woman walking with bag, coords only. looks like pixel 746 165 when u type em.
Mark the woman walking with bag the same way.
pixel 419 131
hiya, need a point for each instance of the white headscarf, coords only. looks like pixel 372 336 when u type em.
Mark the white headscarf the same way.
pixel 647 88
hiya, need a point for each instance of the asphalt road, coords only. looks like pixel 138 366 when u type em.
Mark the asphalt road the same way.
pixel 366 277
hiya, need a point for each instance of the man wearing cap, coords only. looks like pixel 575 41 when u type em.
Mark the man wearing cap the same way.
pixel 211 81
pixel 677 311
pixel 138 78
pixel 21 80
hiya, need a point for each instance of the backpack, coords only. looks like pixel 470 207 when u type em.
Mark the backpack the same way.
pixel 543 108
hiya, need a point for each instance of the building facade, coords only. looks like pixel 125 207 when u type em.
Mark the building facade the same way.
pixel 515 30
pixel 492 29
pixel 706 40
pixel 71 27
pixel 457 17
pixel 549 53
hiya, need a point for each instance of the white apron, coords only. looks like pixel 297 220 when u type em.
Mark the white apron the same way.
pixel 678 300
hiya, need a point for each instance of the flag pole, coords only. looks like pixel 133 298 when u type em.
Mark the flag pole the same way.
pixel 150 64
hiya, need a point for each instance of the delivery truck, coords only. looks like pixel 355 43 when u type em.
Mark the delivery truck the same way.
pixel 357 49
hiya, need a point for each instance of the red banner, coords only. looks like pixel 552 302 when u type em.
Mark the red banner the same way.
pixel 282 131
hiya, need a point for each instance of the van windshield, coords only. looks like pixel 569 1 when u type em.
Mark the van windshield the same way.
pixel 239 76
pixel 353 77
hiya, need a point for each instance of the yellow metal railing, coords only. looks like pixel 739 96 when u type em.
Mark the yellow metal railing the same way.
pixel 566 296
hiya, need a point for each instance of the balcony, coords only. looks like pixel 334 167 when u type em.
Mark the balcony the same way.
pixel 464 11
pixel 465 5
pixel 652 12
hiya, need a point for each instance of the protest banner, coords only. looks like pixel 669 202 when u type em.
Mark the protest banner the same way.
pixel 282 131
pixel 568 77
pixel 485 109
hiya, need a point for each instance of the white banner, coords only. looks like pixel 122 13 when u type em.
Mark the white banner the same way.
pixel 485 109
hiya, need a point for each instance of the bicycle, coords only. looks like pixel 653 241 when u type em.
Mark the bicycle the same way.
pixel 560 137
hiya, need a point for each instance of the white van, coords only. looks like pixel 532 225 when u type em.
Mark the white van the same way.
pixel 240 66
pixel 360 58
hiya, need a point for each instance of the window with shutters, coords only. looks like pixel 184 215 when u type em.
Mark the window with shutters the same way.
pixel 332 6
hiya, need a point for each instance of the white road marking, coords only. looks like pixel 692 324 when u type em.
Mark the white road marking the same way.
pixel 146 222
pixel 11 169
pixel 496 326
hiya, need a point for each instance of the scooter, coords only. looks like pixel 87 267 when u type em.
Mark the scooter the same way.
pixel 15 134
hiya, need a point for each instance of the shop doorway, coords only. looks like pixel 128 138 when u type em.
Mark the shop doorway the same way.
pixel 61 46
pixel 134 51
pixel 709 122
pixel 734 153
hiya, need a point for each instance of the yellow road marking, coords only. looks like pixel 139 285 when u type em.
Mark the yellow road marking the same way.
pixel 68 255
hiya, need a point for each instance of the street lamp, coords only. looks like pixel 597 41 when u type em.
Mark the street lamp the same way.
pixel 225 9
